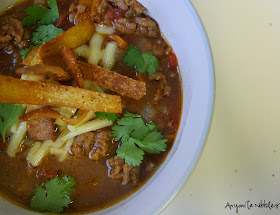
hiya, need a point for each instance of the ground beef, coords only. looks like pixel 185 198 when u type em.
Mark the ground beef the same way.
pixel 126 15
pixel 13 31
pixel 94 144
pixel 129 5
pixel 120 3
pixel 136 25
pixel 160 48
pixel 118 169
pixel 124 25
pixel 163 90
pixel 135 5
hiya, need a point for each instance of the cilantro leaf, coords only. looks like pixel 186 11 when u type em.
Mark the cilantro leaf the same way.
pixel 153 143
pixel 42 34
pixel 45 17
pixel 24 52
pixel 35 13
pixel 52 15
pixel 54 196
pixel 45 33
pixel 133 57
pixel 42 15
pixel 9 114
pixel 144 63
pixel 151 64
pixel 137 137
pixel 110 116
pixel 130 152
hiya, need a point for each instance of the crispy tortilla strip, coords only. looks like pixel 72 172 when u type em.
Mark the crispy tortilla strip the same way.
pixel 29 57
pixel 16 91
pixel 55 72
pixel 123 85
pixel 73 66
pixel 73 38
pixel 88 3
pixel 46 112
pixel 122 44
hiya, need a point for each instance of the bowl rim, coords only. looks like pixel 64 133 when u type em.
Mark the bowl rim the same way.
pixel 210 108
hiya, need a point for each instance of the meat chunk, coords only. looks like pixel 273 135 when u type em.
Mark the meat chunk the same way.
pixel 163 90
pixel 41 129
pixel 135 5
pixel 11 30
pixel 118 169
pixel 126 26
pixel 94 144
pixel 147 26
pixel 120 3
pixel 129 4
pixel 137 25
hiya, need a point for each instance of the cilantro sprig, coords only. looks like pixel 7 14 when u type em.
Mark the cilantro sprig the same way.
pixel 45 18
pixel 144 62
pixel 54 196
pixel 110 116
pixel 137 138
pixel 9 114
pixel 45 33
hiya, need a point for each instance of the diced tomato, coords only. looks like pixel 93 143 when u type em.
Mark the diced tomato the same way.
pixel 110 14
pixel 119 13
pixel 115 13
pixel 51 173
pixel 3 146
pixel 172 61
pixel 45 172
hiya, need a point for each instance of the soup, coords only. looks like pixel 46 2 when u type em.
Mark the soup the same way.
pixel 113 109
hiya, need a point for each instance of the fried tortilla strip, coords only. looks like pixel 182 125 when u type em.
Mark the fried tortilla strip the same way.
pixel 16 91
pixel 55 72
pixel 73 66
pixel 122 44
pixel 30 56
pixel 73 38
pixel 46 112
pixel 121 84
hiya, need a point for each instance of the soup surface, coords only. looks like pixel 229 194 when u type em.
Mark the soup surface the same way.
pixel 102 175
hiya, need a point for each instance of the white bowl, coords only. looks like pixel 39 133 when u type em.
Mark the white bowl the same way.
pixel 183 29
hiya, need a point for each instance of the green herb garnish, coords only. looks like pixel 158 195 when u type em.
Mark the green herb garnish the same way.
pixel 9 114
pixel 42 15
pixel 45 33
pixel 144 62
pixel 45 30
pixel 54 196
pixel 137 137
pixel 110 116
